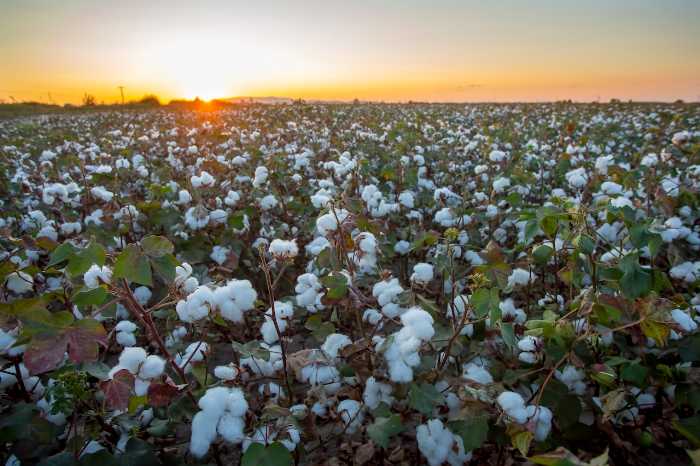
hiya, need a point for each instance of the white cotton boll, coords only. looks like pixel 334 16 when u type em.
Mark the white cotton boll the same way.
pixel 476 373
pixel 407 199
pixel 231 428
pixel 232 198
pixel 226 372
pixel 437 444
pixel 235 299
pixel 317 245
pixel 95 274
pixel 334 343
pixel 214 400
pixel 420 323
pixel 328 223
pixel 509 401
pixel 282 249
pixel 268 202
pixel 321 375
pixel 236 403
pixel 520 277
pixel 204 180
pixel 387 293
pixel 204 426
pixel 528 343
pixel 650 160
pixel 402 247
pixel 183 197
pixel 683 320
pixel 219 254
pixel 577 178
pixel 196 306
pixel 126 326
pixel 48 232
pixel 19 282
pixel 126 339
pixel 261 174
pixel 501 184
pixel 376 393
pixel 70 228
pixel 309 292
pixel 196 217
pixel 350 414
pixel 527 357
pixel 371 316
pixel 422 273
pixel 143 295
pixel 541 416
pixel 152 367
pixel 444 217
pixel 131 358
pixel 101 193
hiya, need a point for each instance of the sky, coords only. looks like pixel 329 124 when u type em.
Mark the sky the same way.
pixel 385 50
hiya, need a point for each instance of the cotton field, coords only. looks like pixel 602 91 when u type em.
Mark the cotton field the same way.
pixel 367 284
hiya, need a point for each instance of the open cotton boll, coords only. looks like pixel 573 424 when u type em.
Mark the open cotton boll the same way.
pixel 231 427
pixel 439 445
pixel 234 299
pixel 132 358
pixel 183 197
pixel 477 373
pixel 328 223
pixel 268 202
pixel 196 306
pixel 261 174
pixel 513 405
pixel 376 393
pixel 407 199
pixel 19 282
pixel 195 352
pixel 229 372
pixel 541 417
pixel 309 292
pixel 520 277
pixel 351 415
pixel 402 247
pixel 101 193
pixel 387 294
pixel 684 321
pixel 334 343
pixel 96 274
pixel 402 352
pixel 282 249
pixel 204 180
pixel 422 273
pixel 204 426
pixel 143 295
pixel 152 367
pixel 196 217
pixel 321 375
pixel 577 178
pixel 283 312
pixel 573 378
pixel 501 184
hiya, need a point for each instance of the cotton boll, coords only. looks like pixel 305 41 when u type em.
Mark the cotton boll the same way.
pixel 282 249
pixel 510 402
pixel 230 428
pixel 152 367
pixel 438 445
pixel 19 282
pixel 229 372
pixel 376 393
pixel 97 274
pixel 684 321
pixel 476 373
pixel 334 343
pixel 402 247
pixel 422 273
pixel 351 415
pixel 126 339
pixel 309 292
pixel 204 426
pixel 520 277
pixel 131 358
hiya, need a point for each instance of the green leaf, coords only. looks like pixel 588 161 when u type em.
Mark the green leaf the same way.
pixel 93 297
pixel 164 267
pixel 157 246
pixel 474 431
pixel 635 373
pixel 542 254
pixel 274 454
pixel 522 441
pixel 508 334
pixel 61 253
pixel 133 265
pixel 635 282
pixel 384 428
pixel 337 285
pixel 424 397
pixel 83 259
pixel 690 428
pixel 485 300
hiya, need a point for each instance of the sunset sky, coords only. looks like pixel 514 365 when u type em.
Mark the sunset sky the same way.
pixel 392 50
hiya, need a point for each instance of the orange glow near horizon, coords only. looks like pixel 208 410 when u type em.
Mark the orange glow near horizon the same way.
pixel 388 50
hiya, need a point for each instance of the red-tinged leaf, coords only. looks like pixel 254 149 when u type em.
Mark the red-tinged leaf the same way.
pixel 44 354
pixel 118 390
pixel 161 394
pixel 83 339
